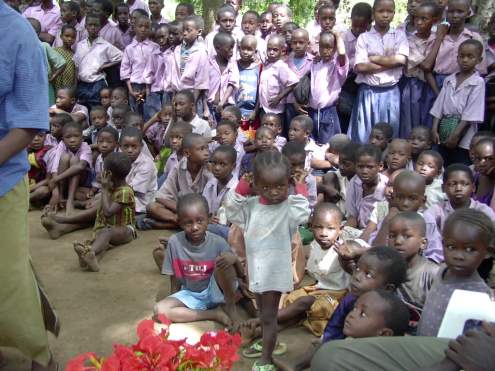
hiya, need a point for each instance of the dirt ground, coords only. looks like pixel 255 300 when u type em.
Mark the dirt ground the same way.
pixel 99 309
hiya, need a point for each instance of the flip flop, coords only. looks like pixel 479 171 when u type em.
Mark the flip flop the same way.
pixel 267 367
pixel 256 350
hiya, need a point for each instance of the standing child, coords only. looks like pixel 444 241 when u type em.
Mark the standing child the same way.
pixel 225 19
pixel 70 12
pixel 109 31
pixel 460 106
pixel 326 19
pixel 266 25
pixel 68 77
pixel 122 17
pixel 281 14
pixel 381 54
pixel 327 77
pixel 156 17
pixel 115 217
pixel 183 10
pixel 136 56
pixel 250 26
pixel 268 245
pixel 468 237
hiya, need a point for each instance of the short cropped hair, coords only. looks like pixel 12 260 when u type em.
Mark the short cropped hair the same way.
pixel 369 150
pixel 131 132
pixel 228 150
pixel 305 121
pixel 362 10
pixel 118 163
pixel 189 200
pixel 385 128
pixel 394 265
pixel 457 167
pixel 397 314
pixel 110 130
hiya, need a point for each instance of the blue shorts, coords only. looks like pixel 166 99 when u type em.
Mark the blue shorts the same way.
pixel 209 298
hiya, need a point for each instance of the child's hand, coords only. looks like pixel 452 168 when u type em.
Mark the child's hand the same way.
pixel 442 30
pixel 244 288
pixel 436 137
pixel 90 194
pixel 106 180
pixel 274 102
pixel 302 109
pixel 299 176
pixel 214 219
pixel 451 141
pixel 225 261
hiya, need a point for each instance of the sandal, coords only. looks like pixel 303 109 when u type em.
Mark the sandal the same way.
pixel 143 223
pixel 86 255
pixel 256 349
pixel 267 367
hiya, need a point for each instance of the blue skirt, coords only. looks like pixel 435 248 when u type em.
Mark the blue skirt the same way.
pixel 374 104
pixel 440 78
pixel 326 124
pixel 417 98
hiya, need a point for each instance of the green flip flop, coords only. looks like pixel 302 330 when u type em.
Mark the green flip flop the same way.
pixel 256 349
pixel 268 367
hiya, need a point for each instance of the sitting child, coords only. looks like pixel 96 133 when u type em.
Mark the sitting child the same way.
pixel 184 107
pixel 39 156
pixel 107 142
pixel 154 129
pixel 57 122
pixel 274 122
pixel 175 136
pixel 190 176
pixel 421 139
pixel 99 120
pixel 66 103
pixel 202 269
pixel 227 134
pixel 115 217
pixel 119 112
pixel 429 165
pixel 300 131
pixel 468 237
pixel 264 141
pixel 381 135
pixel 398 156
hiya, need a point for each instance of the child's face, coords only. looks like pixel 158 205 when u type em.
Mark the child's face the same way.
pixel 327 48
pixel 226 22
pixel 73 139
pixel 272 185
pixel 165 115
pixel 280 17
pixel 228 115
pixel 273 122
pixel 266 23
pixel 297 162
pixel 264 140
pixel 367 318
pixel 123 15
pixel 297 132
pixel 368 275
pixel 119 97
pixel 326 227
pixel 299 43
pixel 405 236
pixel 459 188
pixel 468 57
pixel 106 143
pixel 98 119
pixel 409 195
pixel 463 249
pixel 55 128
pixel 176 140
pixel 226 135
pixel 183 106
pixel 249 24
pixel 37 142
pixel 427 167
pixel 412 6
pixel 399 153
pixel 64 100
pixel 194 221
pixel 424 20
pixel 142 28
pixel 105 97
pixel 69 37
pixel 131 146
pixel 66 14
pixel 359 25
pixel 155 7
pixel 327 19
pixel 162 37
pixel 135 122
pixel 93 26
pixel 457 12
pixel 118 118
pixel 175 35
pixel 287 30
pixel 378 138
pixel 367 169
pixel 420 141
pixel 347 167
pixel 198 153
pixel 225 51
pixel 484 159
pixel 190 33
pixel 383 14
pixel 222 165
pixel 181 13
pixel 274 49
pixel 247 51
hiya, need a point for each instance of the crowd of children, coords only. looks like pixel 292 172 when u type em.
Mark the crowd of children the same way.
pixel 363 156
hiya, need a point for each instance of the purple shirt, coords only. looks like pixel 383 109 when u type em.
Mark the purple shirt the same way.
pixel 327 79
pixel 142 179
pixel 81 34
pixel 274 78
pixel 89 58
pixel 220 81
pixel 83 153
pixel 280 142
pixel 172 163
pixel 372 43
pixel 155 134
pixel 136 56
pixel 138 4
pixel 350 46
pixel 111 33
pixel 50 140
pixel 300 71
pixel 466 100
pixel 213 196
pixel 418 50
pixel 98 169
pixel 156 72
pixel 49 19
pixel 361 207
pixel 335 326
pixel 195 73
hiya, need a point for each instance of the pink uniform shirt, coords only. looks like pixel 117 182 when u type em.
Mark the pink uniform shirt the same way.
pixel 111 33
pixel 237 34
pixel 90 57
pixel 136 56
pixel 138 4
pixel 327 79
pixel 213 196
pixel 83 154
pixel 350 46
pixel 195 73
pixel 274 78
pixel 98 167
pixel 142 179
pixel 50 20
pixel 156 72
pixel 466 101
pixel 219 81
pixel 418 50
pixel 372 43
pixel 299 71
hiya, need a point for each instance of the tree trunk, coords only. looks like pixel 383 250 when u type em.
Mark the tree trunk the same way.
pixel 209 9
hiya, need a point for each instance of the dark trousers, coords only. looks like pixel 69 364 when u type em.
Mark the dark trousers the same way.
pixel 88 93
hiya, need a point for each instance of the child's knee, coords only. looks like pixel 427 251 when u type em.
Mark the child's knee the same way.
pixel 73 160
pixel 162 307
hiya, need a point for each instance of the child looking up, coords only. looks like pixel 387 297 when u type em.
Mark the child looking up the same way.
pixel 421 139
pixel 460 105
pixel 366 187
pixel 115 217
pixel 274 122
pixel 398 155
pixel 268 244
pixel 136 56
pixel 381 135
pixel 93 55
pixel 430 165
pixel 202 269
pixel 327 77
pixel 190 176
pixel 381 54
pixel 468 237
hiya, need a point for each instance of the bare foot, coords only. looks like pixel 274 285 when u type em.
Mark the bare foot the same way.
pixel 248 330
pixel 284 365
pixel 222 317
pixel 86 254
pixel 51 227
pixel 231 311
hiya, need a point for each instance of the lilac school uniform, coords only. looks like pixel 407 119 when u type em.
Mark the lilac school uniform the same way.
pixel 417 97
pixel 274 78
pixel 111 33
pixel 361 207
pixel 327 79
pixel 213 196
pixel 172 163
pixel 156 74
pixel 219 82
pixel 300 66
pixel 49 19
pixel 155 134
pixel 350 41
pixel 192 71
pixel 98 170
pixel 83 154
pixel 136 56
pixel 138 4
pixel 210 49
pixel 50 140
pixel 378 98
pixel 143 181
pixel 466 101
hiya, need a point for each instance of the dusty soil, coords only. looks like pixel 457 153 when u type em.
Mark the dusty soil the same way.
pixel 99 309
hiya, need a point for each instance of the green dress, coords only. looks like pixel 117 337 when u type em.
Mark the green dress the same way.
pixel 68 78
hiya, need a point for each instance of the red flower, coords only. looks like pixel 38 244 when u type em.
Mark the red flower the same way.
pixel 78 363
